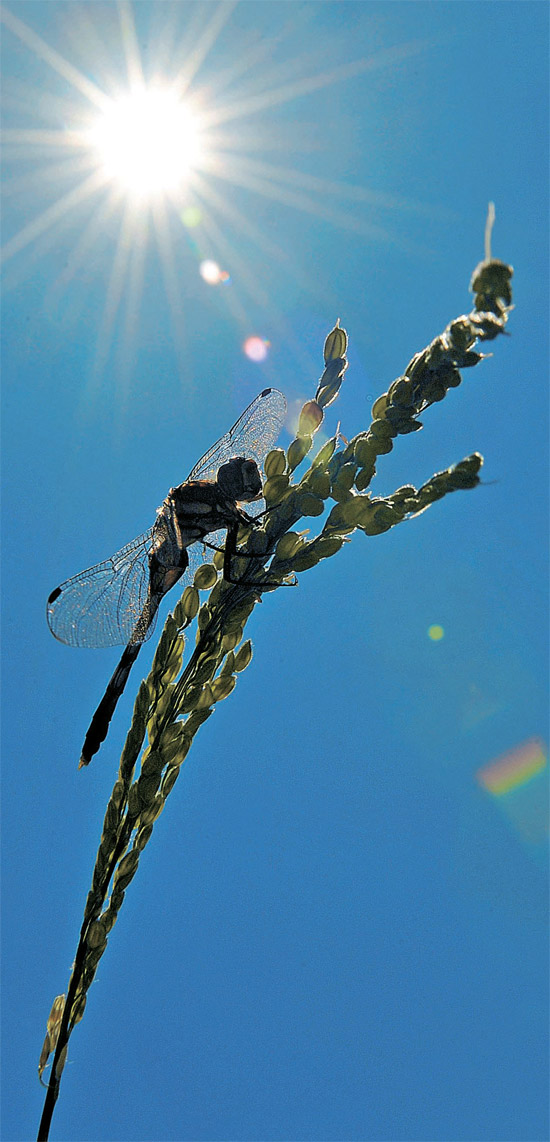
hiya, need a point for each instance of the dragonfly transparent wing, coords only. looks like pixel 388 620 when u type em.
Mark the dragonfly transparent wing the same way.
pixel 101 606
pixel 252 435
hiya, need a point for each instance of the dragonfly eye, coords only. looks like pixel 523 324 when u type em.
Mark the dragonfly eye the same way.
pixel 240 479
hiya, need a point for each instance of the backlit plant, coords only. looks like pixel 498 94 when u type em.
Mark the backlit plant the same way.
pixel 334 489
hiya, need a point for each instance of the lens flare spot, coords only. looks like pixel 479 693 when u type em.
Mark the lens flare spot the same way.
pixel 514 768
pixel 518 783
pixel 191 217
pixel 212 274
pixel 435 632
pixel 256 349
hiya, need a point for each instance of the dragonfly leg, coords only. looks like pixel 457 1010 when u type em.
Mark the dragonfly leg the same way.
pixel 230 551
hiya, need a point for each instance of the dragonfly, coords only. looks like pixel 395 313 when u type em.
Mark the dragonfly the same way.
pixel 117 601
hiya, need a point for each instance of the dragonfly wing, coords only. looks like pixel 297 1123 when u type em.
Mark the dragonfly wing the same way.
pixel 252 435
pixel 102 605
pixel 198 553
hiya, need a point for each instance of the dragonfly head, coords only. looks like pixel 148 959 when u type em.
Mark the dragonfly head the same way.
pixel 240 479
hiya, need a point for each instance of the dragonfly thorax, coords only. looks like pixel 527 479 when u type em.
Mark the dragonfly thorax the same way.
pixel 239 479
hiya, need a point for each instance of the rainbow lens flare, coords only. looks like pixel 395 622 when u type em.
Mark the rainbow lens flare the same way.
pixel 518 782
pixel 515 768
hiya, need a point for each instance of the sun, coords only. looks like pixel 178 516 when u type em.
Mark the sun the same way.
pixel 147 142
pixel 155 159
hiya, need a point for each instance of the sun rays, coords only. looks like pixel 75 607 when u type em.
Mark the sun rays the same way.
pixel 152 147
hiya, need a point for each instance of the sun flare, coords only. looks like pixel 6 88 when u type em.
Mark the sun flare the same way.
pixel 147 142
pixel 161 157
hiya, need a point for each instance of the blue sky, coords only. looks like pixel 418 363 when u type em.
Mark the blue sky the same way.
pixel 337 932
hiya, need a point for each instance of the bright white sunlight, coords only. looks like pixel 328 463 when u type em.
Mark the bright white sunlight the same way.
pixel 147 141
pixel 158 141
